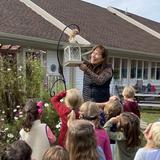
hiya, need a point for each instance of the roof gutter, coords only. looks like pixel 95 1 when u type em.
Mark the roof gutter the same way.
pixel 133 51
pixel 27 41
pixel 35 42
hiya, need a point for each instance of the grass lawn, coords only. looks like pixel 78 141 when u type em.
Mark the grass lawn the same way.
pixel 150 115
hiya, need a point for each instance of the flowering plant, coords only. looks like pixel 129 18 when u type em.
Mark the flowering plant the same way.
pixel 18 83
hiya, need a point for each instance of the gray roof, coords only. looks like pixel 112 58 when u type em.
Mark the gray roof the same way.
pixel 97 24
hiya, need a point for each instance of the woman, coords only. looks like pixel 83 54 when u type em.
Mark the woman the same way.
pixel 97 76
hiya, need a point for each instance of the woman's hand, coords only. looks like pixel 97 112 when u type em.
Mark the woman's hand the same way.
pixel 83 67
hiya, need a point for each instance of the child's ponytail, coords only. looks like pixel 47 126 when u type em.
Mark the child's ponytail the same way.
pixel 71 117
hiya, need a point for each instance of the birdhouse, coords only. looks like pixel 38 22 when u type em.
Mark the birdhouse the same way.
pixel 72 55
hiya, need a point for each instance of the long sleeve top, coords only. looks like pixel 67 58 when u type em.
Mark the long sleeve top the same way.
pixel 103 141
pixel 122 151
pixel 63 112
pixel 96 85
pixel 131 106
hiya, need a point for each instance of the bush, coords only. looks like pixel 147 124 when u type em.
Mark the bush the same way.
pixel 18 83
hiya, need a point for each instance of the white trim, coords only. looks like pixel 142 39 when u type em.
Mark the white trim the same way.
pixel 134 22
pixel 52 20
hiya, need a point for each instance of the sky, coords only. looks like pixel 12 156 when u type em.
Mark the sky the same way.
pixel 149 9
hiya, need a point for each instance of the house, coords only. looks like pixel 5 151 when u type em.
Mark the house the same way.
pixel 133 41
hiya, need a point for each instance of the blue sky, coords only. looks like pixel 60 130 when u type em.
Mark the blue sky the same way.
pixel 146 8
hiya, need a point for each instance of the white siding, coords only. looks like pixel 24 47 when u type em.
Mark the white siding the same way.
pixel 52 59
pixel 78 83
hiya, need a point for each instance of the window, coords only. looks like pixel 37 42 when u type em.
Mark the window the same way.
pixel 110 61
pixel 139 70
pixel 158 72
pixel 153 70
pixel 145 70
pixel 133 68
pixel 124 68
pixel 116 68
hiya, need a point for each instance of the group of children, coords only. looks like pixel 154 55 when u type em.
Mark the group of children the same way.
pixel 81 135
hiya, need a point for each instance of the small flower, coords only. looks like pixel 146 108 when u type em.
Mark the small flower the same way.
pixel 2 119
pixel 15 110
pixel 62 100
pixel 20 68
pixel 6 129
pixel 46 104
pixel 3 112
pixel 18 107
pixel 20 112
pixel 21 115
pixel 19 77
pixel 15 118
pixel 58 125
pixel 10 135
pixel 8 69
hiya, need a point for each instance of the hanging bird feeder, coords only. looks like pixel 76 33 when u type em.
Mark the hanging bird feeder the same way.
pixel 72 52
pixel 72 55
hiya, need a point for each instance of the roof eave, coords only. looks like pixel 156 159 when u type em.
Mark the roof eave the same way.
pixel 27 41
pixel 118 51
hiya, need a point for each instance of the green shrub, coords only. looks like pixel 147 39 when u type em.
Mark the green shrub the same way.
pixel 18 83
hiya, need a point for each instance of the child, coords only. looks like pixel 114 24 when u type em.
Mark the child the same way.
pixel 151 151
pixel 127 135
pixel 81 142
pixel 56 153
pixel 130 105
pixel 90 111
pixel 18 150
pixel 113 108
pixel 67 111
pixel 36 134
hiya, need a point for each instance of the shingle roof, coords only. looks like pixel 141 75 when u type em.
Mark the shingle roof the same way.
pixel 97 24
pixel 149 23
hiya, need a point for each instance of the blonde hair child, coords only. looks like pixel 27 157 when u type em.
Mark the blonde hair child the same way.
pixel 67 111
pixel 151 151
pixel 129 104
pixel 113 108
pixel 56 153
pixel 90 111
pixel 81 142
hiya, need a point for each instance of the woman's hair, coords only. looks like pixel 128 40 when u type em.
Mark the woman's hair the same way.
pixel 90 111
pixel 113 108
pixel 103 50
pixel 18 150
pixel 155 131
pixel 33 110
pixel 130 125
pixel 73 100
pixel 56 153
pixel 81 142
pixel 98 69
pixel 128 92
